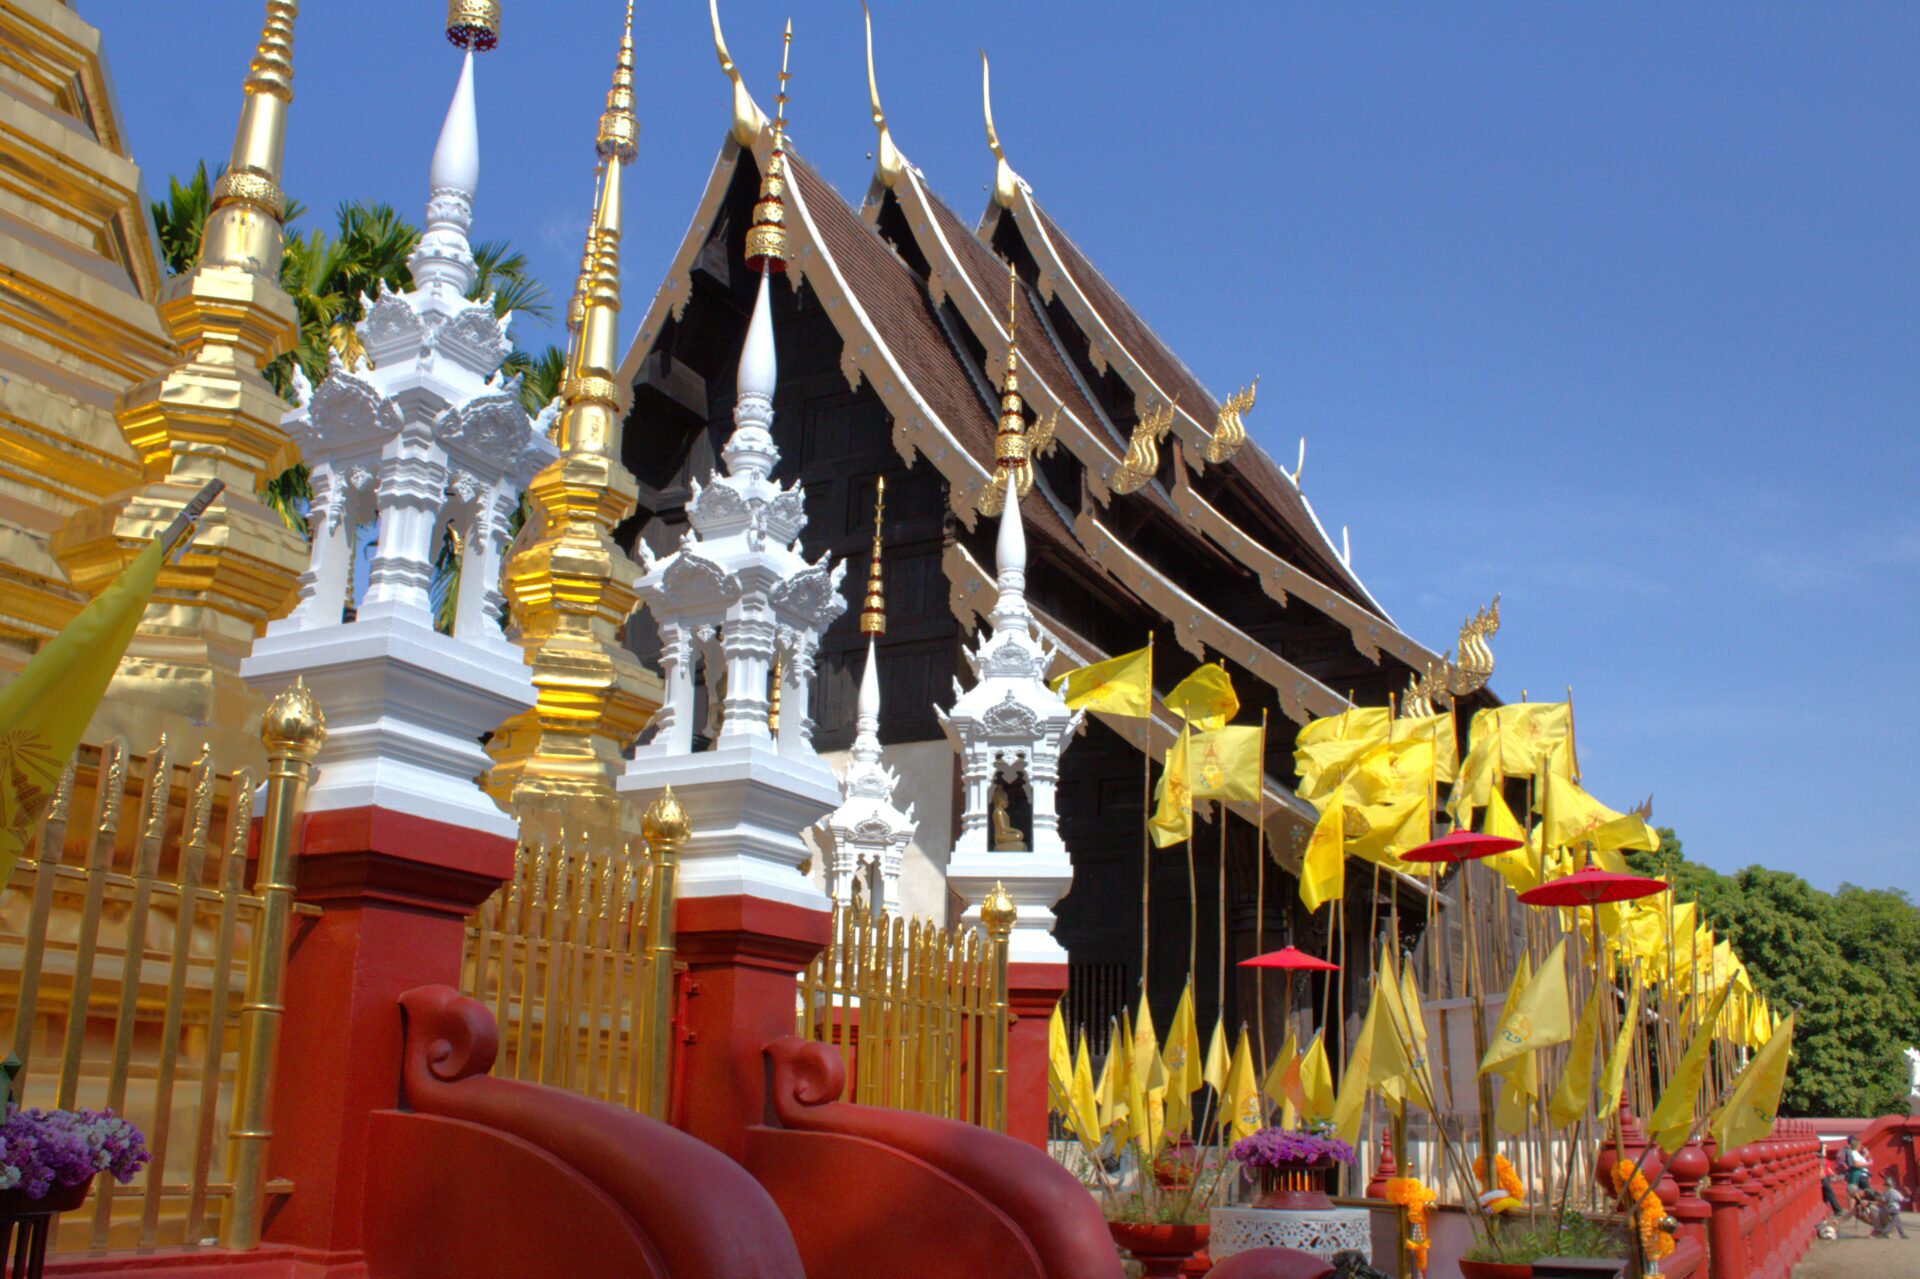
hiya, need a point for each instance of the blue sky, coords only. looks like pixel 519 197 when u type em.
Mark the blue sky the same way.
pixel 1612 309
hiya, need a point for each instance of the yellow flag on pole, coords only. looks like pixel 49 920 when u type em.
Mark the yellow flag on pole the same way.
pixel 1569 1100
pixel 1059 1064
pixel 1183 1046
pixel 1537 1017
pixel 1218 1060
pixel 1205 699
pixel 1613 1079
pixel 1365 723
pixel 1120 685
pixel 1316 1082
pixel 1282 1083
pixel 1225 763
pixel 1673 1116
pixel 1438 730
pixel 1323 868
pixel 1245 1112
pixel 1172 819
pixel 45 708
pixel 1349 1105
pixel 1083 1115
pixel 1748 1113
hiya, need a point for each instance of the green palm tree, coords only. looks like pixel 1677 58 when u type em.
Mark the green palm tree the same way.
pixel 326 273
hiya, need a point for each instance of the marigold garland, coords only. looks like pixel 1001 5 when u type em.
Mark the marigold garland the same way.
pixel 1411 1194
pixel 1654 1239
pixel 1512 1195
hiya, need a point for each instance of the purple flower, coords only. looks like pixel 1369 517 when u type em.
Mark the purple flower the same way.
pixel 40 1149
pixel 1278 1147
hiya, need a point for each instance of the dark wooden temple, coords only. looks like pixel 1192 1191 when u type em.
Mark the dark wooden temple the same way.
pixel 890 328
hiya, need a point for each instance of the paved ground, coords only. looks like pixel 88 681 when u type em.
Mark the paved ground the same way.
pixel 1855 1256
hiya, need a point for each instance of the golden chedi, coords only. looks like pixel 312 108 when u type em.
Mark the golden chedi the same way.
pixel 211 416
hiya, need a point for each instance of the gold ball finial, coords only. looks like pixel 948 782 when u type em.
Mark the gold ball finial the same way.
pixel 873 610
pixel 665 824
pixel 998 912
pixel 294 722
pixel 473 24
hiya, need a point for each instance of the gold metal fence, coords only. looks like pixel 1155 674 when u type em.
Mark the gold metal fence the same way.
pixel 574 955
pixel 137 961
pixel 918 1012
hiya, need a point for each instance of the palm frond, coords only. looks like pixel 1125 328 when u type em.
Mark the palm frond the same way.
pixel 505 273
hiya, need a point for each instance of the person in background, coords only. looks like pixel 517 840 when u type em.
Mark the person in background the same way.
pixel 1894 1200
pixel 1831 1175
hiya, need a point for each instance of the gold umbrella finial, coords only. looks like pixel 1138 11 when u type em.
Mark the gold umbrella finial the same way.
pixel 243 230
pixel 873 610
pixel 619 135
pixel 768 247
pixel 473 24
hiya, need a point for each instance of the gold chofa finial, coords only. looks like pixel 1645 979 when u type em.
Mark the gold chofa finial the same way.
pixel 748 118
pixel 767 245
pixel 1142 460
pixel 888 163
pixel 244 228
pixel 873 610
pixel 619 136
pixel 1475 667
pixel 1006 183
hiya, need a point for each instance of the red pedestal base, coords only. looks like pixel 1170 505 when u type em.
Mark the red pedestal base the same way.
pixel 742 955
pixel 1032 992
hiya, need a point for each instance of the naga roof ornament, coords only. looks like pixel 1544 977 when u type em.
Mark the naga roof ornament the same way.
pixel 748 119
pixel 1445 678
pixel 1142 460
pixel 1014 449
pixel 1229 432
pixel 768 247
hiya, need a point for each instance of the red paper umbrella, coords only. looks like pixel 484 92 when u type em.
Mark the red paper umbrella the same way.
pixel 1461 846
pixel 1291 959
pixel 1590 887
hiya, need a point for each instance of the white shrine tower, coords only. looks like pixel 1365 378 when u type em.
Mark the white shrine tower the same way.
pixel 425 437
pixel 739 596
pixel 1011 730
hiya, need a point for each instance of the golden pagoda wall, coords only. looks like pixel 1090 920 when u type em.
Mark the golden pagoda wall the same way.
pixel 79 276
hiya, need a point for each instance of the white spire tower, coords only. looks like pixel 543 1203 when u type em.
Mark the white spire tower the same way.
pixel 424 441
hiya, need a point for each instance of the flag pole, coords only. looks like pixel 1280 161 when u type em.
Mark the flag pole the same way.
pixel 181 527
pixel 1146 816
pixel 1220 929
pixel 1260 903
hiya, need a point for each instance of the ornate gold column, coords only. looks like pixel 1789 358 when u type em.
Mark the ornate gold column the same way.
pixel 571 588
pixel 212 415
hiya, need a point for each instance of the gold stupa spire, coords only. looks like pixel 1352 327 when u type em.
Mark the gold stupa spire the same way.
pixel 572 588
pixel 211 416
pixel 1014 448
pixel 767 245
pixel 873 610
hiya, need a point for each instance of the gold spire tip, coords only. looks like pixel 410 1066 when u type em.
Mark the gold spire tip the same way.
pixel 619 134
pixel 768 247
pixel 873 610
pixel 473 24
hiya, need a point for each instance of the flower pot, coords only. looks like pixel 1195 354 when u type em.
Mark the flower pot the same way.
pixel 1161 1250
pixel 1295 1187
pixel 1175 1169
pixel 1495 1269
pixel 25 1225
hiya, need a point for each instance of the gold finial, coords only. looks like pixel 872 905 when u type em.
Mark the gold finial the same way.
pixel 1015 447
pixel 619 137
pixel 873 611
pixel 294 723
pixel 888 163
pixel 665 823
pixel 1142 461
pixel 474 24
pixel 748 118
pixel 998 912
pixel 1229 432
pixel 773 693
pixel 1006 183
pixel 1475 667
pixel 244 228
pixel 767 245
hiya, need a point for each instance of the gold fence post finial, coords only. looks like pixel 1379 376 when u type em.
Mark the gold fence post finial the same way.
pixel 998 914
pixel 666 828
pixel 293 731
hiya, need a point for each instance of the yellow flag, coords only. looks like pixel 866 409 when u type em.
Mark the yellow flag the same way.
pixel 1243 1107
pixel 45 708
pixel 1083 1114
pixel 1225 763
pixel 1366 723
pixel 1511 741
pixel 1139 1127
pixel 1218 1062
pixel 1120 685
pixel 1381 832
pixel 1323 868
pixel 1113 1084
pixel 1437 730
pixel 1282 1083
pixel 1569 1100
pixel 1748 1113
pixel 1316 1083
pixel 1389 1063
pixel 1673 1116
pixel 1520 868
pixel 1146 1047
pixel 1537 1017
pixel 1613 1079
pixel 1172 819
pixel 1410 1012
pixel 1355 1079
pixel 1183 1046
pixel 1205 699
pixel 1059 1064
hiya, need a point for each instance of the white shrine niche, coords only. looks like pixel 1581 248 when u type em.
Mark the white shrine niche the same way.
pixel 738 596
pixel 869 833
pixel 420 437
pixel 1011 730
